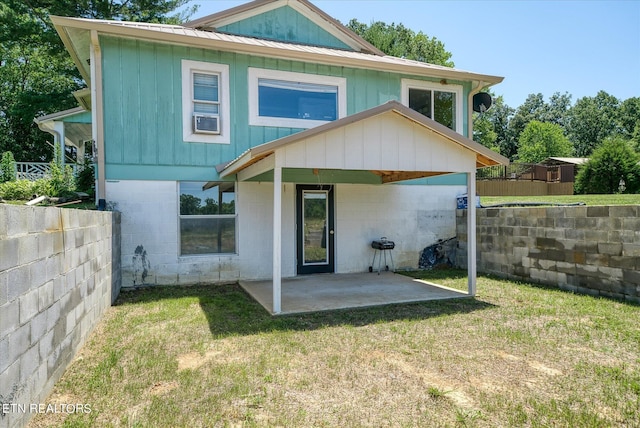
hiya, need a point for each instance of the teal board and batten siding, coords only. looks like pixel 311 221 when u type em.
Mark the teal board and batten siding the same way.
pixel 82 117
pixel 287 25
pixel 143 107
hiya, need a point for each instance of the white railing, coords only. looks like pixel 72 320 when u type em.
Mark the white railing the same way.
pixel 36 170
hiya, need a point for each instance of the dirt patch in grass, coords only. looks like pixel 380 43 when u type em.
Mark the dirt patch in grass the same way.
pixel 516 355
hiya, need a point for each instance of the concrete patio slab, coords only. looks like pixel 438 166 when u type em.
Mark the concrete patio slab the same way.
pixel 324 292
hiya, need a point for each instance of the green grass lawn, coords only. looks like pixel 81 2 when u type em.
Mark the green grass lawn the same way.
pixel 564 199
pixel 516 355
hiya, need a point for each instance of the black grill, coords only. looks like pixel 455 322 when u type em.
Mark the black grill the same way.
pixel 383 244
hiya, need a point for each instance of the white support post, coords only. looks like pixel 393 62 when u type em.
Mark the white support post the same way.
pixel 471 232
pixel 277 238
pixel 59 128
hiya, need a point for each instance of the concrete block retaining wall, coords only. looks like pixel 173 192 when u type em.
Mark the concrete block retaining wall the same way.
pixel 586 249
pixel 59 272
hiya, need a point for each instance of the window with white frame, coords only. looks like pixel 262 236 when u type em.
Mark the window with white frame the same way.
pixel 295 100
pixel 205 102
pixel 207 218
pixel 442 103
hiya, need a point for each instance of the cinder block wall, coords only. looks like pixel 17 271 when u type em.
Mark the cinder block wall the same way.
pixel 56 280
pixel 593 250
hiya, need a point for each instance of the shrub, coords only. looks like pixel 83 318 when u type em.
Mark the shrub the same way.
pixel 23 189
pixel 612 164
pixel 7 167
pixel 61 180
pixel 85 179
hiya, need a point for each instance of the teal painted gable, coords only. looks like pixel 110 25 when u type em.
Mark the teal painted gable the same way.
pixel 142 101
pixel 82 117
pixel 284 24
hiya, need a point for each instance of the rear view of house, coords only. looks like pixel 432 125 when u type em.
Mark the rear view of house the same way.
pixel 269 141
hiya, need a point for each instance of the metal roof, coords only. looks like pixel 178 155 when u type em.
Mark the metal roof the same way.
pixel 176 34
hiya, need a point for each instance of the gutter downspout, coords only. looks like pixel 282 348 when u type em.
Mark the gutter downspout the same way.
pixel 97 125
pixel 56 134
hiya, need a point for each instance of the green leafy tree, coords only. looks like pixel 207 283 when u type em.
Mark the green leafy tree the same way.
pixel 612 168
pixel 556 109
pixel 629 120
pixel 7 167
pixel 533 108
pixel 37 76
pixel 400 41
pixel 540 140
pixel 491 128
pixel 591 120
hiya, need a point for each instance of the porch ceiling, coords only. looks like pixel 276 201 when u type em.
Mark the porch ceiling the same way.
pixel 75 123
pixel 390 141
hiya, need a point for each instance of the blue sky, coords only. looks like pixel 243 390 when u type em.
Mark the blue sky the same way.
pixel 578 46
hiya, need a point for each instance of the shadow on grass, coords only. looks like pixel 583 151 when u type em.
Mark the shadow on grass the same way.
pixel 231 311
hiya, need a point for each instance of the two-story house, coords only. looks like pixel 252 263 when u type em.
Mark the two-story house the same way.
pixel 270 141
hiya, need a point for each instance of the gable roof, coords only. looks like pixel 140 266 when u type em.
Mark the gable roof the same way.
pixel 332 26
pixel 75 34
pixel 450 145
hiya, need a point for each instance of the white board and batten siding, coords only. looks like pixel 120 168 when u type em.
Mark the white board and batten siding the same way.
pixel 382 142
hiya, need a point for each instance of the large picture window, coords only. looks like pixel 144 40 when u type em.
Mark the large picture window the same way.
pixel 441 103
pixel 207 218
pixel 294 100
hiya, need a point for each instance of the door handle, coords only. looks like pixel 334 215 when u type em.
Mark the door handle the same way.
pixel 331 232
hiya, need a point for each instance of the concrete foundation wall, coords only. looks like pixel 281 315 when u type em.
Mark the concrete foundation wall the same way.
pixel 56 280
pixel 412 216
pixel 593 250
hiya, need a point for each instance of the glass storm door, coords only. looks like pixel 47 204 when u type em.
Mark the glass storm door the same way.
pixel 315 233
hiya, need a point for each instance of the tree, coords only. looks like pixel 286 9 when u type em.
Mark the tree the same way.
pixel 629 121
pixel 532 109
pixel 535 108
pixel 556 110
pixel 7 167
pixel 400 41
pixel 612 168
pixel 37 76
pixel 491 129
pixel 591 120
pixel 541 140
pixel 483 132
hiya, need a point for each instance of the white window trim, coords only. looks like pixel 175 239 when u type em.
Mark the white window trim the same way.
pixel 421 84
pixel 188 68
pixel 260 73
pixel 206 255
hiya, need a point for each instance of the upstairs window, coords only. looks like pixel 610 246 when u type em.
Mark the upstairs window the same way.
pixel 294 100
pixel 442 103
pixel 205 102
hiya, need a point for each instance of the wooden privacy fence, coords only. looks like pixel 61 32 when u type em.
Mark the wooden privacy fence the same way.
pixel 519 179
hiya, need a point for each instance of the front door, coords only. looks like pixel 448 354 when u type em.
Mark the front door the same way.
pixel 315 229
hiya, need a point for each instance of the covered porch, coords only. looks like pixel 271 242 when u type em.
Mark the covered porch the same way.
pixel 324 292
pixel 383 146
pixel 70 129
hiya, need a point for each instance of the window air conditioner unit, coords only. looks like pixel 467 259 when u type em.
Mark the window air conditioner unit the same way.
pixel 206 124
